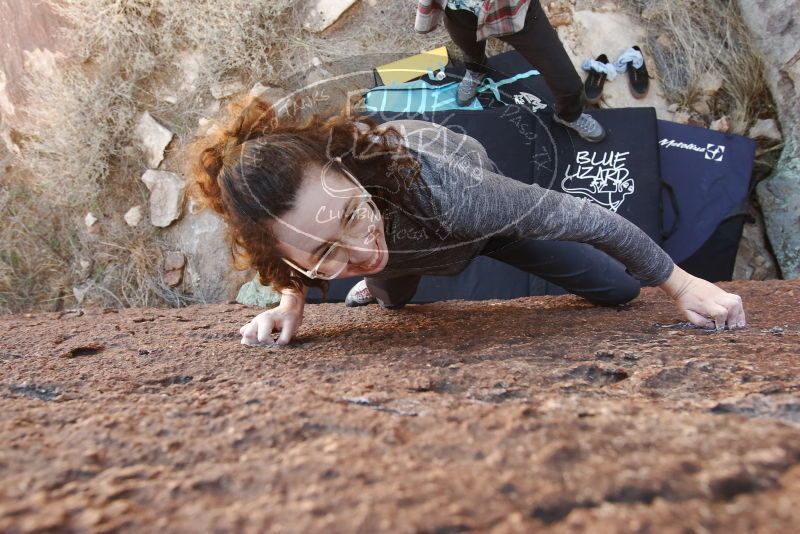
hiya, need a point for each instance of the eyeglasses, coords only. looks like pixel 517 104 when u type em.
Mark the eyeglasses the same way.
pixel 336 257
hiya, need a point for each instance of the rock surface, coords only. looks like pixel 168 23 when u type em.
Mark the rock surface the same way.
pixel 723 124
pixel 533 415
pixel 174 263
pixel 254 294
pixel 166 196
pixel 779 196
pixel 753 260
pixel 25 26
pixel 766 129
pixel 7 107
pixel 211 276
pixel 133 216
pixel 323 13
pixel 226 88
pixel 153 138
pixel 777 35
pixel 90 219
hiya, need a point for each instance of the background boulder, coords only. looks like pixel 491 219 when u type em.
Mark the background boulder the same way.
pixel 776 33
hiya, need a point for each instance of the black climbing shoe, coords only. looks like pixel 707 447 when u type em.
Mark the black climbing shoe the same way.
pixel 593 86
pixel 639 79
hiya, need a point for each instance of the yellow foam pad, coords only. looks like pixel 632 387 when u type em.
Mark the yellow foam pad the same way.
pixel 411 67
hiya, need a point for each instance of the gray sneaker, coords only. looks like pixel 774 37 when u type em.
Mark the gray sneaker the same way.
pixel 468 87
pixel 359 295
pixel 586 126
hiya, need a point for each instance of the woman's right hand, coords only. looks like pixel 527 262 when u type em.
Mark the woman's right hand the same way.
pixel 703 303
pixel 285 319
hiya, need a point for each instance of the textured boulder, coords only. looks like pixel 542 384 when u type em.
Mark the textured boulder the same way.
pixel 779 196
pixel 254 294
pixel 753 261
pixel 226 88
pixel 166 196
pixel 766 129
pixel 133 216
pixel 532 415
pixel 212 278
pixel 775 28
pixel 323 13
pixel 153 138
pixel 90 219
pixel 6 106
pixel 174 262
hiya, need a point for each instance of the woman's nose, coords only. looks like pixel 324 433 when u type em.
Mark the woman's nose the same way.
pixel 360 249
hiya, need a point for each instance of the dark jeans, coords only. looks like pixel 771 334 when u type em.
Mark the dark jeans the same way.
pixel 538 43
pixel 576 267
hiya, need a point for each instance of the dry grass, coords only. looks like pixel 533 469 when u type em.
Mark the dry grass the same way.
pixel 77 126
pixel 36 251
pixel 692 40
pixel 46 251
pixel 123 54
pixel 126 270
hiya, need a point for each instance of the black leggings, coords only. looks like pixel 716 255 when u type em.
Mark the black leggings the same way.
pixel 538 43
pixel 576 267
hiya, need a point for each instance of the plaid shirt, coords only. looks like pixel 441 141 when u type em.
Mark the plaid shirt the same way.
pixel 496 17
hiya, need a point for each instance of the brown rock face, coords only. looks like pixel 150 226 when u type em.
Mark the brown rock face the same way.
pixel 777 36
pixel 533 415
pixel 174 262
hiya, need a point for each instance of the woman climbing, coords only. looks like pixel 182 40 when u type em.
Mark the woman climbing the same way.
pixel 342 196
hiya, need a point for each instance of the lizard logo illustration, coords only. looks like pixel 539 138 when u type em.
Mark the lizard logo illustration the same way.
pixel 603 178
pixel 715 152
pixel 534 101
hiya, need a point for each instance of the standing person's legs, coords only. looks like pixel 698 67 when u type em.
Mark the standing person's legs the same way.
pixel 577 267
pixel 539 43
pixel 462 25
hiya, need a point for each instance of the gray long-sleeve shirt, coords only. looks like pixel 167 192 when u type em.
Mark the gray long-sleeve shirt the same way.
pixel 460 202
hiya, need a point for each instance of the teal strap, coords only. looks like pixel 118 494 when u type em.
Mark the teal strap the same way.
pixel 439 69
pixel 491 85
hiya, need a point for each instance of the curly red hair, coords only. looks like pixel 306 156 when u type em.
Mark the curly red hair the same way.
pixel 250 167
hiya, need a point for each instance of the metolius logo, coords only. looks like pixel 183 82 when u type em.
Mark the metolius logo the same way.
pixel 710 151
pixel 671 143
pixel 715 152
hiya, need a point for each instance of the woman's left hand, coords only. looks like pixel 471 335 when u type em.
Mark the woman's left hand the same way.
pixel 703 303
